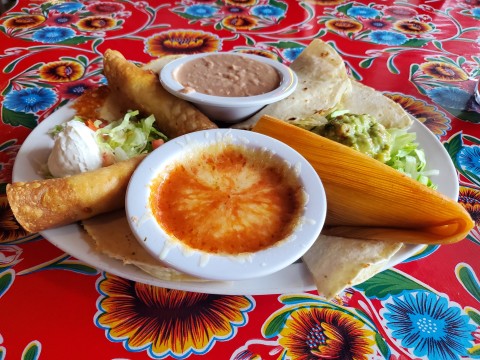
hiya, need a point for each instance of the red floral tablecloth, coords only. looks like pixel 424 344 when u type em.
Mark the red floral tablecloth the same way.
pixel 424 55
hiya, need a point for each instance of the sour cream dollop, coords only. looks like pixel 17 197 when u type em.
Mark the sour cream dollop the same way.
pixel 74 151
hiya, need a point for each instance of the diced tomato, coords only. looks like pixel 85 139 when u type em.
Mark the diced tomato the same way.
pixel 107 159
pixel 91 124
pixel 157 143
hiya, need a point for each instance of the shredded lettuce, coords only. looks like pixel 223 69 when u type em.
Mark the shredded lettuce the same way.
pixel 404 154
pixel 406 157
pixel 129 136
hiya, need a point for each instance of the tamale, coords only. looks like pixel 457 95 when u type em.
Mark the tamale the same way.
pixel 42 204
pixel 140 89
pixel 367 199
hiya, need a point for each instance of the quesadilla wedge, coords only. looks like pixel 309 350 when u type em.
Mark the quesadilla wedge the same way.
pixel 113 237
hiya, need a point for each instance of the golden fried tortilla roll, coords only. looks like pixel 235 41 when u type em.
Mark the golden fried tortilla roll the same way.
pixel 367 199
pixel 141 90
pixel 42 204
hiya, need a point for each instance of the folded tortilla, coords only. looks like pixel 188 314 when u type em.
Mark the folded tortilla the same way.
pixel 140 89
pixel 362 99
pixel 322 81
pixel 337 263
pixel 324 86
pixel 113 237
pixel 367 199
pixel 43 204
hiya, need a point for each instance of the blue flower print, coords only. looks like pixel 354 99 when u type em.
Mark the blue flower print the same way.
pixel 292 53
pixel 387 37
pixel 30 99
pixel 67 7
pixel 469 159
pixel 53 34
pixel 267 11
pixel 362 11
pixel 450 97
pixel 201 11
pixel 476 12
pixel 425 322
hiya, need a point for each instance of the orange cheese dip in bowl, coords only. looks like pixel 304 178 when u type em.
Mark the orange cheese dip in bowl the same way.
pixel 226 204
pixel 228 199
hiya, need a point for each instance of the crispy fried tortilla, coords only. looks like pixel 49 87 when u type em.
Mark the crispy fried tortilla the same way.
pixel 140 89
pixel 44 204
pixel 113 237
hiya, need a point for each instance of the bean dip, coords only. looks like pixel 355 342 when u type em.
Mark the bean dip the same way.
pixel 227 75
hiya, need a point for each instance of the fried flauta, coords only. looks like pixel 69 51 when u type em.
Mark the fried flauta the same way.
pixel 367 199
pixel 42 204
pixel 140 89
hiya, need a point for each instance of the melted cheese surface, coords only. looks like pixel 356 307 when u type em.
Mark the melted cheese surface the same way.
pixel 228 199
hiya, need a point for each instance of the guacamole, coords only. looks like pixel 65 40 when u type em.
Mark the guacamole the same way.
pixel 360 132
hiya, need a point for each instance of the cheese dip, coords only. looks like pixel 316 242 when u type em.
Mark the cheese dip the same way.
pixel 227 75
pixel 228 199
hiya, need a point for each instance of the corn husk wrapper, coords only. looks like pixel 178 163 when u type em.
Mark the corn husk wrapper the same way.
pixel 367 199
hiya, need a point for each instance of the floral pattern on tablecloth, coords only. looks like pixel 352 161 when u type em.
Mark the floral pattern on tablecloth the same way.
pixel 425 56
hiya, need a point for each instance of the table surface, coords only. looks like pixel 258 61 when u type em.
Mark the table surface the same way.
pixel 425 55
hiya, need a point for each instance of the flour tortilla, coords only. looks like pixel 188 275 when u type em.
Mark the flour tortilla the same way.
pixel 363 99
pixel 324 86
pixel 337 263
pixel 322 81
pixel 113 237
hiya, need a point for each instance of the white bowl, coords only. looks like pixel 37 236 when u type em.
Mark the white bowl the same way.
pixel 229 109
pixel 176 254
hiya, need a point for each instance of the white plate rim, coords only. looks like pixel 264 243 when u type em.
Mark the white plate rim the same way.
pixel 73 240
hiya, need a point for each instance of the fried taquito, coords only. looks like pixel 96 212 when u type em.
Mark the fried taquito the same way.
pixel 42 204
pixel 140 89
pixel 367 199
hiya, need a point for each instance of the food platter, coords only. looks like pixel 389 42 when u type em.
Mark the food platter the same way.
pixel 295 278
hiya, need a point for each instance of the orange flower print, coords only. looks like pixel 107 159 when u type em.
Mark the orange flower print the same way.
pixel 410 26
pixel 241 2
pixel 105 8
pixel 324 333
pixel 470 200
pixel 432 118
pixel 24 21
pixel 61 71
pixel 96 23
pixel 239 22
pixel 443 71
pixel 167 322
pixel 182 42
pixel 344 25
